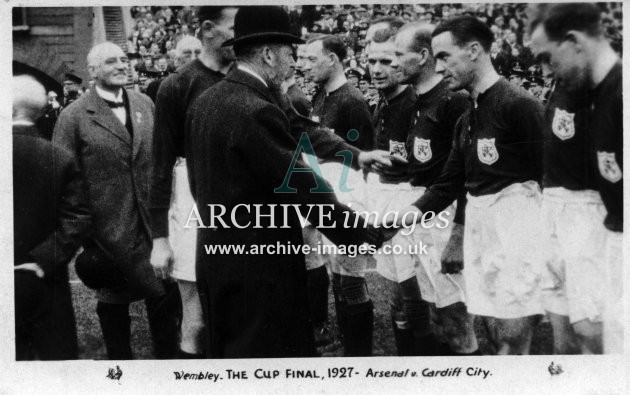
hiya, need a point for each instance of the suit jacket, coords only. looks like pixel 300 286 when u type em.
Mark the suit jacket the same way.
pixel 116 168
pixel 239 149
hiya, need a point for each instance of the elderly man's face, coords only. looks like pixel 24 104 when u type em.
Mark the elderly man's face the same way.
pixel 560 60
pixel 283 64
pixel 188 54
pixel 383 64
pixel 110 67
pixel 452 61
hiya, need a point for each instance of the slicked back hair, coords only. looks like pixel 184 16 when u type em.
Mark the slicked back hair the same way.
pixel 465 29
pixel 331 44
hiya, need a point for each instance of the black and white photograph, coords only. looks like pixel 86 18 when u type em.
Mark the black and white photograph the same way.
pixel 310 197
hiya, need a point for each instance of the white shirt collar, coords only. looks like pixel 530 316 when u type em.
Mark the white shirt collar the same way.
pixel 110 96
pixel 23 122
pixel 251 72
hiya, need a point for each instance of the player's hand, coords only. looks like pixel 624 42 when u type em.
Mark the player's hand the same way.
pixel 161 257
pixel 31 266
pixel 378 159
pixel 453 255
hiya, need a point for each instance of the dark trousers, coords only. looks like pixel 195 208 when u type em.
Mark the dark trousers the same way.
pixel 45 328
pixel 317 283
pixel 164 316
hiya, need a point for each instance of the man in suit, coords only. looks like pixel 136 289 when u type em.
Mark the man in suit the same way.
pixel 109 130
pixel 50 220
pixel 239 149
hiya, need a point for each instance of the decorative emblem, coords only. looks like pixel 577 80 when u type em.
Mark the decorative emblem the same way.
pixel 608 166
pixel 114 374
pixel 563 125
pixel 397 148
pixel 422 149
pixel 487 151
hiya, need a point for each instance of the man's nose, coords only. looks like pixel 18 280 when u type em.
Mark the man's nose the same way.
pixel 439 66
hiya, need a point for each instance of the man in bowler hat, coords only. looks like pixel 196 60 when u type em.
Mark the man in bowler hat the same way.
pixel 239 150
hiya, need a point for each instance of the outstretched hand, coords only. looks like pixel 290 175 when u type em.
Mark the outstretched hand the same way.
pixel 379 160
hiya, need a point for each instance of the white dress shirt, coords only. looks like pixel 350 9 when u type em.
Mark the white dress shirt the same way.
pixel 120 112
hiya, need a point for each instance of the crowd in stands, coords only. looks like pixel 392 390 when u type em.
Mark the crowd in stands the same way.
pixel 157 30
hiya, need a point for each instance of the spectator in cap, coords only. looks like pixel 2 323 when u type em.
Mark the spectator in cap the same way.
pixel 71 85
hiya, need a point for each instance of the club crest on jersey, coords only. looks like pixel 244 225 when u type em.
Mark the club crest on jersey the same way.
pixel 422 149
pixel 563 125
pixel 487 151
pixel 608 166
pixel 397 148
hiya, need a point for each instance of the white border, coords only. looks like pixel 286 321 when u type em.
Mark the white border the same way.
pixel 525 374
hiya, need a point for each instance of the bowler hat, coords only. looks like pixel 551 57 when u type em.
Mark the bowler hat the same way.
pixel 262 24
pixel 97 270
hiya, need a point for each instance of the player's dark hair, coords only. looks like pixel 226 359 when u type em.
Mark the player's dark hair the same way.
pixel 465 29
pixel 559 19
pixel 331 44
pixel 211 13
pixel 393 25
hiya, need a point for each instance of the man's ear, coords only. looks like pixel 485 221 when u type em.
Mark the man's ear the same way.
pixel 576 38
pixel 269 56
pixel 331 57
pixel 474 49
pixel 424 56
pixel 205 30
pixel 92 71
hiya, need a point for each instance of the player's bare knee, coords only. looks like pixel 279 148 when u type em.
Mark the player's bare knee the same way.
pixel 515 333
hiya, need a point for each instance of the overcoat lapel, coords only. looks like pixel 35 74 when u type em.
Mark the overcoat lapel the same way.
pixel 105 117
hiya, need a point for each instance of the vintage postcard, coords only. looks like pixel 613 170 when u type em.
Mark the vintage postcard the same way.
pixel 313 197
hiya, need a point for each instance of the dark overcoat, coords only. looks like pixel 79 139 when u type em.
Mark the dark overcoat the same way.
pixel 116 168
pixel 239 149
pixel 50 221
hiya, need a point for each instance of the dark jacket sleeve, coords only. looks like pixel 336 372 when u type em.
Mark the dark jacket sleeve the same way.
pixel 326 144
pixel 167 145
pixel 270 149
pixel 73 217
